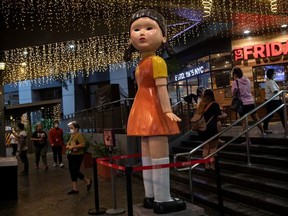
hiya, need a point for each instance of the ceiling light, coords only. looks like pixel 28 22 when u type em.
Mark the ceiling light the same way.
pixel 284 26
pixel 246 32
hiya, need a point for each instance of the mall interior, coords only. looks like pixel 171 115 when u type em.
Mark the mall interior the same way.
pixel 64 60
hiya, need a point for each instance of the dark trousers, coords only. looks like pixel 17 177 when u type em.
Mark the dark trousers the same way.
pixel 57 153
pixel 75 162
pixel 271 106
pixel 14 147
pixel 24 159
pixel 41 151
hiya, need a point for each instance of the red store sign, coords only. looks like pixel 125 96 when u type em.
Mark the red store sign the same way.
pixel 267 50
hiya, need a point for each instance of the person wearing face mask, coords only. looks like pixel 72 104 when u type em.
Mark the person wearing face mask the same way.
pixel 75 147
pixel 271 89
pixel 56 142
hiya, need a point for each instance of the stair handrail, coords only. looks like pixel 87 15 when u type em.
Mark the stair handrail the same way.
pixel 246 132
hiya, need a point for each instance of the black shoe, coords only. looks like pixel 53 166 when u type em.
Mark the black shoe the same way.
pixel 73 192
pixel 89 185
pixel 169 207
pixel 267 131
pixel 148 203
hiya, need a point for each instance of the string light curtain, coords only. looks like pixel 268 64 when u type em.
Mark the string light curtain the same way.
pixel 273 5
pixel 95 54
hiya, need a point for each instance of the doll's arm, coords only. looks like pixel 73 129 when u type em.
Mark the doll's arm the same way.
pixel 161 84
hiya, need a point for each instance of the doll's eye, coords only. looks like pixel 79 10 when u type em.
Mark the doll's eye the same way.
pixel 149 28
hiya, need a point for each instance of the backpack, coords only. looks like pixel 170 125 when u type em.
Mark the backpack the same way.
pixel 198 122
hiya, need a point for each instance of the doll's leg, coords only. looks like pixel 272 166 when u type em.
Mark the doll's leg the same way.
pixel 163 203
pixel 147 174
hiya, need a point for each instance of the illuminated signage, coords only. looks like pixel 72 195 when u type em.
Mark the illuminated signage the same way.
pixel 267 50
pixel 190 73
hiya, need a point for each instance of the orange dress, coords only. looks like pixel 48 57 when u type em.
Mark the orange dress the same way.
pixel 146 116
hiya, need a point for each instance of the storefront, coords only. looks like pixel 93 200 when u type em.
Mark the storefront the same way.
pixel 255 55
pixel 211 71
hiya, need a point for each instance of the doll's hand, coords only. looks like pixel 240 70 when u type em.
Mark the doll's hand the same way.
pixel 173 117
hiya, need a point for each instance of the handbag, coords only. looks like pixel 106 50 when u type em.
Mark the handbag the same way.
pixel 198 122
pixel 237 104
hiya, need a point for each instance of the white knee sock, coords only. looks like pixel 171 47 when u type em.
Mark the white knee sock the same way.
pixel 147 178
pixel 161 181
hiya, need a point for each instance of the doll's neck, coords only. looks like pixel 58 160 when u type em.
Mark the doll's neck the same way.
pixel 146 54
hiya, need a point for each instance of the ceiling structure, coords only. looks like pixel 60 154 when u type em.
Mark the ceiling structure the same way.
pixel 63 36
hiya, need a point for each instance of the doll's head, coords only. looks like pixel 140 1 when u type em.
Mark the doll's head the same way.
pixel 152 15
pixel 157 21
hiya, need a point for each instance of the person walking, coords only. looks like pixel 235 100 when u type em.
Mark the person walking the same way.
pixel 39 138
pixel 56 142
pixel 244 85
pixel 75 147
pixel 271 89
pixel 22 147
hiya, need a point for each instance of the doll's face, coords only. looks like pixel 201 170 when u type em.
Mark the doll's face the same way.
pixel 146 35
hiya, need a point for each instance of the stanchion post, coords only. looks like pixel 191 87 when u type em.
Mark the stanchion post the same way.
pixel 219 188
pixel 128 173
pixel 97 210
pixel 115 210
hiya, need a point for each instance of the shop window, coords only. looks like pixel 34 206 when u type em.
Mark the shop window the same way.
pixel 205 80
pixel 205 63
pixel 220 61
pixel 221 78
pixel 192 85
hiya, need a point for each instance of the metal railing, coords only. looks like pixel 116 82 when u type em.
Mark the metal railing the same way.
pixel 246 131
pixel 189 154
pixel 110 115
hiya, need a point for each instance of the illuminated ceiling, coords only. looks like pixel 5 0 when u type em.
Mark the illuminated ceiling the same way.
pixel 98 29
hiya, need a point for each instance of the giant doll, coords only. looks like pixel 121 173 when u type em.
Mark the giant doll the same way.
pixel 151 116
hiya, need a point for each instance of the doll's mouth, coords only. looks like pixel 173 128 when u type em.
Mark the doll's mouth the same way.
pixel 142 39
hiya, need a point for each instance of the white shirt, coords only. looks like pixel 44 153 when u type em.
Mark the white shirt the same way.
pixel 13 139
pixel 270 88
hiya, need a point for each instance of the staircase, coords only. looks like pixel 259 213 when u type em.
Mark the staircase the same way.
pixel 260 189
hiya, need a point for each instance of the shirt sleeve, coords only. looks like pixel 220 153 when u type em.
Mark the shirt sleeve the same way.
pixel 234 87
pixel 159 67
pixel 272 85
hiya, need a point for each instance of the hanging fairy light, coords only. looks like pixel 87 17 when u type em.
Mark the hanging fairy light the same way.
pixel 273 6
pixel 61 60
pixel 207 4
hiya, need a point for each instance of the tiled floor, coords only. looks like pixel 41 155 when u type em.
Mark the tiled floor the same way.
pixel 45 192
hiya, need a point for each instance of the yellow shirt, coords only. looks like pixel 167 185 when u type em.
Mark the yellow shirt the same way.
pixel 78 138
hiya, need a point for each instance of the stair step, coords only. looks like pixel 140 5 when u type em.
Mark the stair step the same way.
pixel 273 203
pixel 260 170
pixel 211 200
pixel 281 161
pixel 259 149
pixel 275 187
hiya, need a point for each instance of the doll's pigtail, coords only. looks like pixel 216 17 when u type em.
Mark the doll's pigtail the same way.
pixel 128 53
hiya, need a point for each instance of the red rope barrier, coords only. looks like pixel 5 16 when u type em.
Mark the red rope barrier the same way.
pixel 104 162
